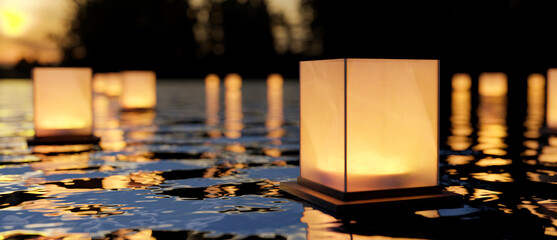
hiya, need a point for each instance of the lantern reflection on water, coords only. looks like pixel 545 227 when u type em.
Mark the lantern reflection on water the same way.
pixel 63 108
pixel 368 130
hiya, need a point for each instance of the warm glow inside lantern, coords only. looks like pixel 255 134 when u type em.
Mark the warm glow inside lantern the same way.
pixel 368 128
pixel 138 90
pixel 62 104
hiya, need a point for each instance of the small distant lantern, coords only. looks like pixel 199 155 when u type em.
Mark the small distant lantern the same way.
pixel 233 106
pixel 368 134
pixel 99 82
pixel 63 106
pixel 138 90
pixel 113 87
pixel 492 84
pixel 275 116
pixel 551 115
pixel 212 90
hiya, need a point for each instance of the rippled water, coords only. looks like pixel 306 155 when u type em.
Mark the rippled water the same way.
pixel 197 169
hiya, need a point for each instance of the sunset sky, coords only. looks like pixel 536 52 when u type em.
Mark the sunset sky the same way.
pixel 37 30
pixel 34 30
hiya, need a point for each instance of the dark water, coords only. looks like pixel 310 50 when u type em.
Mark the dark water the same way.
pixel 194 171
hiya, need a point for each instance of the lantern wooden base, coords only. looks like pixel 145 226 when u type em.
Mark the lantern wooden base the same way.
pixel 441 199
pixel 548 131
pixel 137 110
pixel 63 140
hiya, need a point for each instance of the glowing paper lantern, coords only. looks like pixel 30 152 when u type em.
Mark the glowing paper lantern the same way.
pixel 492 84
pixel 368 130
pixel 139 90
pixel 62 105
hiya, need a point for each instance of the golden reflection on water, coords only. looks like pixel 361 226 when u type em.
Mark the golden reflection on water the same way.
pixel 489 161
pixel 51 235
pixel 323 226
pixel 106 123
pixel 62 164
pixel 459 159
pixel 492 112
pixel 233 106
pixel 492 177
pixel 485 195
pixel 461 125
pixel 275 118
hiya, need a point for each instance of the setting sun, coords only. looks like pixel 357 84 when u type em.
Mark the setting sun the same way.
pixel 13 23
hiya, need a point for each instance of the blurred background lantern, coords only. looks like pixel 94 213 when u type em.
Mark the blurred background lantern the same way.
pixel 139 90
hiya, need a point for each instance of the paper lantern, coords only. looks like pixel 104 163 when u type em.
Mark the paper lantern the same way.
pixel 63 108
pixel 139 90
pixel 368 133
pixel 492 84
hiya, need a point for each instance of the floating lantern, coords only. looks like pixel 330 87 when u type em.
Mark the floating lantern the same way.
pixel 551 115
pixel 233 106
pixel 100 82
pixel 113 86
pixel 492 114
pixel 368 134
pixel 212 91
pixel 492 84
pixel 461 106
pixel 63 106
pixel 138 90
pixel 536 104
